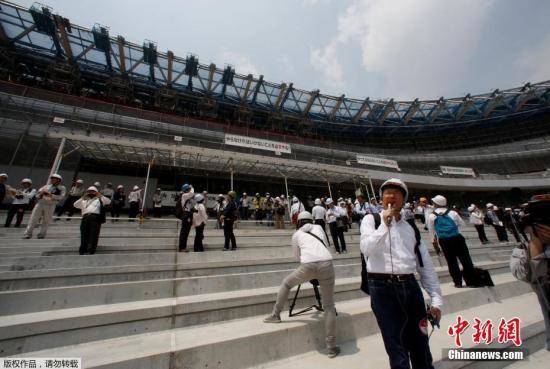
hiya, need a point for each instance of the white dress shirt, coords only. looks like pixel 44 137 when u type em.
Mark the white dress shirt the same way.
pixel 91 206
pixel 362 209
pixel 452 214
pixel 200 215
pixel 134 196
pixel 28 194
pixel 297 207
pixel 476 217
pixel 334 213
pixel 307 248
pixel 318 212
pixel 390 250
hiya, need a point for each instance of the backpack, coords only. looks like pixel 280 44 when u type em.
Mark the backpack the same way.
pixel 445 226
pixel 180 213
pixel 364 274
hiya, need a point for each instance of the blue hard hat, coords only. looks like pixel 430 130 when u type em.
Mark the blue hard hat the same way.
pixel 185 187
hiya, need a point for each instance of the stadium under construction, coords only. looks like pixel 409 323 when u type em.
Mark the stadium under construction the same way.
pixel 114 109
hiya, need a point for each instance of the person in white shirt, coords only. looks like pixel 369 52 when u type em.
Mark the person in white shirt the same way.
pixel 187 204
pixel 295 209
pixel 92 217
pixel 134 199
pixel 335 219
pixel 309 244
pixel 245 206
pixel 476 218
pixel 361 209
pixel 47 198
pixel 319 211
pixel 21 199
pixel 157 203
pixel 444 227
pixel 199 222
pixel 396 298
pixel 76 192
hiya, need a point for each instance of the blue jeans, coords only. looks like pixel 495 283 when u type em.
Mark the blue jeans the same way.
pixel 400 311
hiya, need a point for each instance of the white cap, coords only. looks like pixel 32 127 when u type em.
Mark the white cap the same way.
pixel 3 175
pixel 97 184
pixel 26 180
pixel 79 181
pixel 119 187
pixel 471 208
pixel 305 215
pixel 328 201
pixel 317 201
pixel 397 183
pixel 55 175
pixel 489 205
pixel 439 200
pixel 92 188
pixel 199 197
pixel 136 187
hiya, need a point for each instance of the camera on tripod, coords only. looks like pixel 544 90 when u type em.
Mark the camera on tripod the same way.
pixel 318 307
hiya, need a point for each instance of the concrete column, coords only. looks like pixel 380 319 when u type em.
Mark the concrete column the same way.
pixel 57 160
pixel 143 206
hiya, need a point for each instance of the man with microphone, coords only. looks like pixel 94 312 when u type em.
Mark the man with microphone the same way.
pixel 393 254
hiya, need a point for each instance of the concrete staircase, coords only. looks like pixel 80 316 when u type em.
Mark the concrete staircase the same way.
pixel 139 304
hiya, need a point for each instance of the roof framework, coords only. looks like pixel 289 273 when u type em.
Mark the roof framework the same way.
pixel 80 46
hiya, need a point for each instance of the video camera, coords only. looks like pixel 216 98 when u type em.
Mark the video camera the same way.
pixel 537 211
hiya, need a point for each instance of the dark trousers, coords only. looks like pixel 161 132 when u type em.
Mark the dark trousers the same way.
pixel 244 213
pixel 229 235
pixel 15 210
pixel 184 234
pixel 134 209
pixel 454 249
pixel 481 232
pixel 157 212
pixel 400 311
pixel 501 233
pixel 321 222
pixel 199 236
pixel 337 234
pixel 515 233
pixel 68 206
pixel 90 226
pixel 116 209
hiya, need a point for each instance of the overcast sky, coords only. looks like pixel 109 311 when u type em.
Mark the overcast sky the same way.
pixel 377 48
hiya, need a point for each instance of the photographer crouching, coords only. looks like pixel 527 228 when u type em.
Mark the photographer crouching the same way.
pixel 393 254
pixel 309 244
pixel 531 261
pixel 93 215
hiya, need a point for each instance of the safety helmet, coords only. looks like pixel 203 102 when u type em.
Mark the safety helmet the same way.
pixel 26 180
pixel 92 188
pixel 186 187
pixel 55 175
pixel 317 201
pixel 80 181
pixel 471 208
pixel 199 197
pixel 136 187
pixel 395 182
pixel 232 194
pixel 305 215
pixel 328 201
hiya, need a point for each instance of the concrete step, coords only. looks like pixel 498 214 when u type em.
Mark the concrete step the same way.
pixel 536 360
pixel 248 342
pixel 34 300
pixel 369 352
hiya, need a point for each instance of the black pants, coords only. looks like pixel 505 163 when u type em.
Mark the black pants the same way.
pixel 199 236
pixel 501 233
pixel 16 210
pixel 68 206
pixel 321 222
pixel 116 209
pixel 157 212
pixel 134 209
pixel 454 249
pixel 337 234
pixel 229 235
pixel 244 213
pixel 90 226
pixel 481 233
pixel 515 233
pixel 400 311
pixel 184 234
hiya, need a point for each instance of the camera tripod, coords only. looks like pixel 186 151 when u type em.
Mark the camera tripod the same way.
pixel 318 307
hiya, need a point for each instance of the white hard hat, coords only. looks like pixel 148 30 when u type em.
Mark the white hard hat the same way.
pixel 79 181
pixel 55 175
pixel 244 194
pixel 199 197
pixel 395 182
pixel 26 180
pixel 136 187
pixel 439 200
pixel 489 205
pixel 317 201
pixel 97 184
pixel 328 201
pixel 407 206
pixel 471 208
pixel 119 187
pixel 3 175
pixel 92 188
pixel 305 215
pixel 294 199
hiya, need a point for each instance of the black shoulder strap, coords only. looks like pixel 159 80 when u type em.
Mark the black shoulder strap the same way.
pixel 320 240
pixel 377 220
